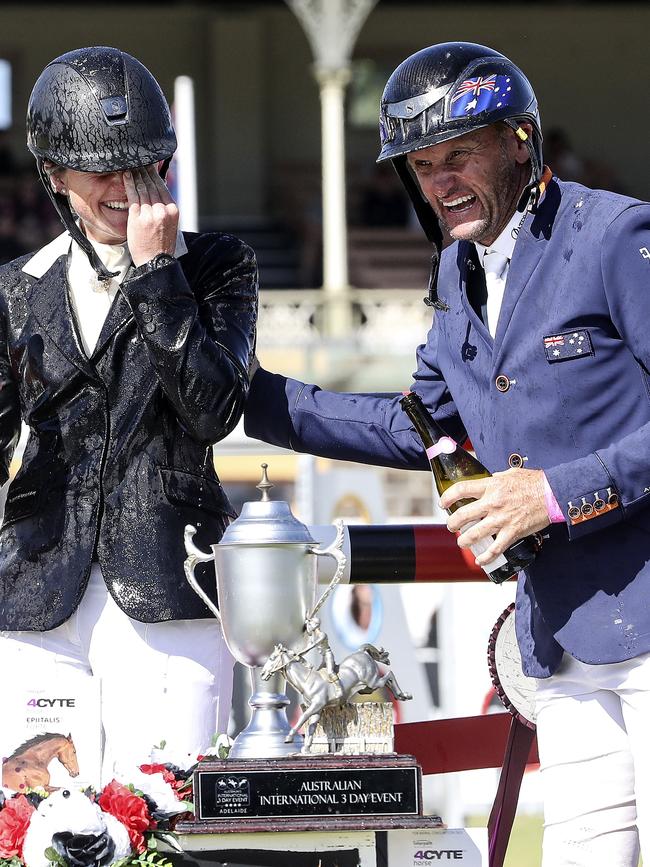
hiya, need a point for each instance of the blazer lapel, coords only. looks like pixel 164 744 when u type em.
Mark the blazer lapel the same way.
pixel 528 251
pixel 472 285
pixel 49 302
pixel 118 315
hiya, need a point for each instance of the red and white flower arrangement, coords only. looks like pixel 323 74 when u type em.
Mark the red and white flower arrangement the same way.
pixel 116 826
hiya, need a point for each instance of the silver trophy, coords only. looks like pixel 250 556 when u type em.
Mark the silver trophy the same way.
pixel 265 568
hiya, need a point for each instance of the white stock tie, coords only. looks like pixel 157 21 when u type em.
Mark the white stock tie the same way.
pixel 496 271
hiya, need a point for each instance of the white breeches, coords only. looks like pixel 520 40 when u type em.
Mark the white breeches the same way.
pixel 168 681
pixel 593 730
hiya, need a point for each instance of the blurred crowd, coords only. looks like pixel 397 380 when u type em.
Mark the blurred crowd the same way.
pixel 27 218
pixel 569 165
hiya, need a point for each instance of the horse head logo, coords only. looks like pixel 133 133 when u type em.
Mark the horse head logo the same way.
pixel 28 765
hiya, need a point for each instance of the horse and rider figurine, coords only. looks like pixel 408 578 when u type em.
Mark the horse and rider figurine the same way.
pixel 329 685
pixel 27 766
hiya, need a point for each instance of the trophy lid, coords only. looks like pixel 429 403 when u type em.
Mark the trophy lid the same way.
pixel 265 521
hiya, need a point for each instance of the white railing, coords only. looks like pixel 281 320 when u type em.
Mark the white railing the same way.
pixel 383 320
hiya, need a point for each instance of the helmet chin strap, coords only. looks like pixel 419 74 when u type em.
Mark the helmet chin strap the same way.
pixel 432 298
pixel 431 226
pixel 64 211
pixel 164 167
pixel 531 192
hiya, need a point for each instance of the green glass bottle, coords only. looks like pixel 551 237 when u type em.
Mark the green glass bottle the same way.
pixel 451 463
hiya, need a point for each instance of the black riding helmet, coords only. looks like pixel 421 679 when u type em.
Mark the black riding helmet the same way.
pixel 97 110
pixel 443 92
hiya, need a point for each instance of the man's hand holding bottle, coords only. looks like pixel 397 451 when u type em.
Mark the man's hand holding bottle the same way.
pixel 507 506
pixel 496 517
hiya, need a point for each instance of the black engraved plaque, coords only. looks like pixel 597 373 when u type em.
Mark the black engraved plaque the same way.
pixel 309 787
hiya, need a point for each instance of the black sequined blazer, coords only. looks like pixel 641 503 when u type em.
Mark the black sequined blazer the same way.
pixel 119 455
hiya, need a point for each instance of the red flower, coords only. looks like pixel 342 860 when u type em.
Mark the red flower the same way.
pixel 131 810
pixel 14 821
pixel 168 776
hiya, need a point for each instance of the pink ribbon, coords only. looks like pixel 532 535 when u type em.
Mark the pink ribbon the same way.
pixel 444 446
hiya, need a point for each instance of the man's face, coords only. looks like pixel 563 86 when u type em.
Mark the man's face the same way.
pixel 473 182
pixel 100 201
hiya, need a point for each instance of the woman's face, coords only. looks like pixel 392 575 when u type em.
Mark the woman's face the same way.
pixel 99 199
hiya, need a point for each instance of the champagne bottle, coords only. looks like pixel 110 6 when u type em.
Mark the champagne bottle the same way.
pixel 450 464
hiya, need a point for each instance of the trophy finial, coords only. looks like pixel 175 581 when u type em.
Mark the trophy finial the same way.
pixel 264 485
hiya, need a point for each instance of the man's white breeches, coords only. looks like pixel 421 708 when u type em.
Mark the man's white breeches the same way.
pixel 593 730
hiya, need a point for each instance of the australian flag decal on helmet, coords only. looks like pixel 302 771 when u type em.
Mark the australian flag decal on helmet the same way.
pixel 483 93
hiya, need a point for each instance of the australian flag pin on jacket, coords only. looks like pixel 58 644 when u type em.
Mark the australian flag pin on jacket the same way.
pixel 568 344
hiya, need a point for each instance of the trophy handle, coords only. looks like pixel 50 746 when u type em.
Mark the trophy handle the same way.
pixel 334 550
pixel 195 556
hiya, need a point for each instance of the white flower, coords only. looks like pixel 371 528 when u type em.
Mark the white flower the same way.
pixel 157 789
pixel 224 741
pixel 71 811
pixel 222 745
pixel 120 836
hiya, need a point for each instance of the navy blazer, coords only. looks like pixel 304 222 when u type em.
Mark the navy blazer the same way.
pixel 564 386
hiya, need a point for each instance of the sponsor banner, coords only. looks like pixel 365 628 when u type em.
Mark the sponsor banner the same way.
pixel 465 847
pixel 51 735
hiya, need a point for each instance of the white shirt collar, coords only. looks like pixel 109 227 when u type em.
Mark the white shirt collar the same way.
pixel 42 261
pixel 505 243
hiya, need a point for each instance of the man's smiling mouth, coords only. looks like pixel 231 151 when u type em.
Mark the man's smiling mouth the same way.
pixel 462 203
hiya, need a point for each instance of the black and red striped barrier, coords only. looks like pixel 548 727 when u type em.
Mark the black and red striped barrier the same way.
pixel 408 553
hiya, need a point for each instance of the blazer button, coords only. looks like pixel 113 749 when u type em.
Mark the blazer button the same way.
pixel 143 307
pixel 515 461
pixel 502 383
pixel 150 328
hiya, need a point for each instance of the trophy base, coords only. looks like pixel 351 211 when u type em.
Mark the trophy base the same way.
pixel 302 823
pixel 304 793
pixel 249 745
pixel 264 736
